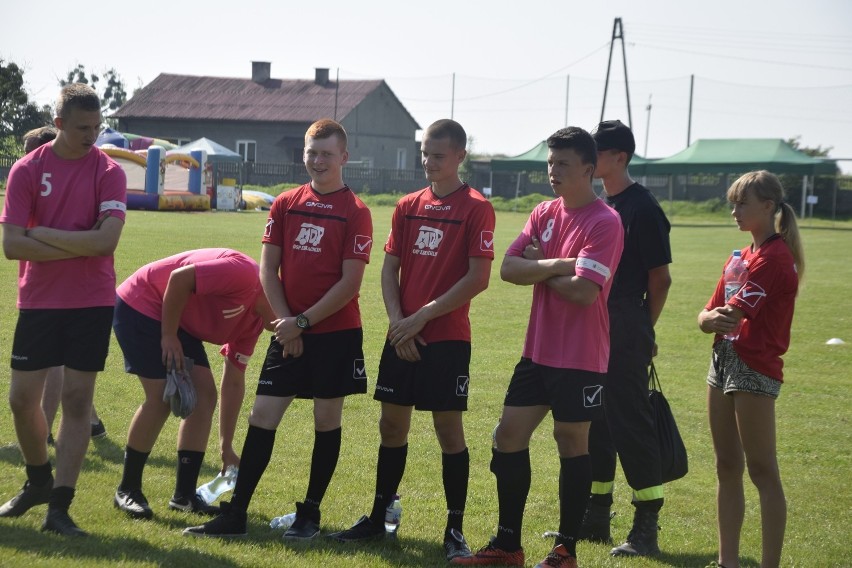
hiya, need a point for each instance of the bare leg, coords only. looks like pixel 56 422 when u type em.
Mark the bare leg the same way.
pixel 25 393
pixel 730 465
pixel 78 389
pixel 756 423
pixel 52 395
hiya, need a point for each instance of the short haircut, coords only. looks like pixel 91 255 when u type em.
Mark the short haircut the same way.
pixel 37 137
pixel 77 95
pixel 577 139
pixel 326 128
pixel 446 128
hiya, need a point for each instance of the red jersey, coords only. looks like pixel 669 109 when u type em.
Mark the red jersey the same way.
pixel 48 191
pixel 767 298
pixel 316 233
pixel 434 239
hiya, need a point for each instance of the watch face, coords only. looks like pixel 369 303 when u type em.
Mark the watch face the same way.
pixel 302 321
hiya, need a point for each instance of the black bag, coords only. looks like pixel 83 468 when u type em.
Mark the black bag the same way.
pixel 673 460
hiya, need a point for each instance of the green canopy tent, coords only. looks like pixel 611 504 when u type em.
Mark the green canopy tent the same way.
pixel 740 155
pixel 535 160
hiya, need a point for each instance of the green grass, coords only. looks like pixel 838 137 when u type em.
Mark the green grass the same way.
pixel 813 424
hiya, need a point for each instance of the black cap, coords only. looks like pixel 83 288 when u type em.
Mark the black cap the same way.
pixel 614 135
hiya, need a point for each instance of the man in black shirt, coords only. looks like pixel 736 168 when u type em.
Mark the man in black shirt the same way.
pixel 637 298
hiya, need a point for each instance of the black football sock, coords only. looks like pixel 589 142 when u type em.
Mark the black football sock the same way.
pixel 188 468
pixel 39 474
pixel 257 450
pixel 514 475
pixel 389 471
pixel 575 482
pixel 456 471
pixel 134 464
pixel 323 463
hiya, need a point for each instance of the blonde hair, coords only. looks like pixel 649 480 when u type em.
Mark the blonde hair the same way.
pixel 767 187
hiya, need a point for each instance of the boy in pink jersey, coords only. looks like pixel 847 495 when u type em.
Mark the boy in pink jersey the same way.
pixel 568 251
pixel 439 256
pixel 163 312
pixel 62 219
pixel 315 249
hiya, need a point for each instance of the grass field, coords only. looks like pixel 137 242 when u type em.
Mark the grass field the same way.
pixel 813 424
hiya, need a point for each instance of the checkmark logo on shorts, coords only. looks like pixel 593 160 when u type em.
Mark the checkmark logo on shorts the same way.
pixel 359 370
pixel 592 396
pixel 461 385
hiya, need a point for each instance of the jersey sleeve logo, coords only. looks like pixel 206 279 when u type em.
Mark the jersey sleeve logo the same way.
pixel 267 231
pixel 363 244
pixel 594 266
pixel 244 359
pixel 751 294
pixel 486 240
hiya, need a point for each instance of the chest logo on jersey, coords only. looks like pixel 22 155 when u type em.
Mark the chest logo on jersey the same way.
pixel 751 293
pixel 318 204
pixel 428 241
pixel 309 238
pixel 438 207
pixel 229 313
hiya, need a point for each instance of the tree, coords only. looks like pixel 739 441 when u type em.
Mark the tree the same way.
pixel 112 95
pixel 818 152
pixel 17 113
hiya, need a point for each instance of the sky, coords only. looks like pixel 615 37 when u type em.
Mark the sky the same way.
pixel 510 72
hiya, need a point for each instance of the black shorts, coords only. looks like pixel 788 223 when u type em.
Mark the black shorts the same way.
pixel 439 381
pixel 331 366
pixel 139 338
pixel 77 338
pixel 571 394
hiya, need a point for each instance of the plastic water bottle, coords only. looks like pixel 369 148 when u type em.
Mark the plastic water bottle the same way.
pixel 220 484
pixel 393 516
pixel 736 275
pixel 283 522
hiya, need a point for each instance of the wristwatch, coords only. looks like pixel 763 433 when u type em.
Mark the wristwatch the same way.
pixel 302 322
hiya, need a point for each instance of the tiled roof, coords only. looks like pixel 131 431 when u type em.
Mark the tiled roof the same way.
pixel 219 98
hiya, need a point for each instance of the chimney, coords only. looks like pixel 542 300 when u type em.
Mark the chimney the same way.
pixel 321 76
pixel 260 71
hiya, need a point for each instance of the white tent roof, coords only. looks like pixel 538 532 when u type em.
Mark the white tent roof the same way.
pixel 215 151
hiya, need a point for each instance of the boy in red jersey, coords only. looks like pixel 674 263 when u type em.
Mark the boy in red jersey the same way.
pixel 439 256
pixel 62 219
pixel 315 249
pixel 568 251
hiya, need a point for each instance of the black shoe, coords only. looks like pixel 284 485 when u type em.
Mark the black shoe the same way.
pixel 363 529
pixel 194 504
pixel 455 545
pixel 596 524
pixel 230 523
pixel 642 539
pixel 98 430
pixel 58 521
pixel 29 496
pixel 306 526
pixel 133 503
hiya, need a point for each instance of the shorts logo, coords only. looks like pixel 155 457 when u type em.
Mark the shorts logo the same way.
pixel 751 293
pixel 383 388
pixel 363 243
pixel 263 382
pixel 359 370
pixel 429 238
pixel 486 240
pixel 592 396
pixel 309 238
pixel 462 384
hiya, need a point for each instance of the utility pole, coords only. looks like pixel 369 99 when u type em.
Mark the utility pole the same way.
pixel 453 98
pixel 617 33
pixel 647 126
pixel 689 121
pixel 567 86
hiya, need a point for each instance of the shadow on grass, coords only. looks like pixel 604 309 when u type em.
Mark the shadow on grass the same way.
pixel 95 548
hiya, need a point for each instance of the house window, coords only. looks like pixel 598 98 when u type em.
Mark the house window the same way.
pixel 401 158
pixel 247 149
